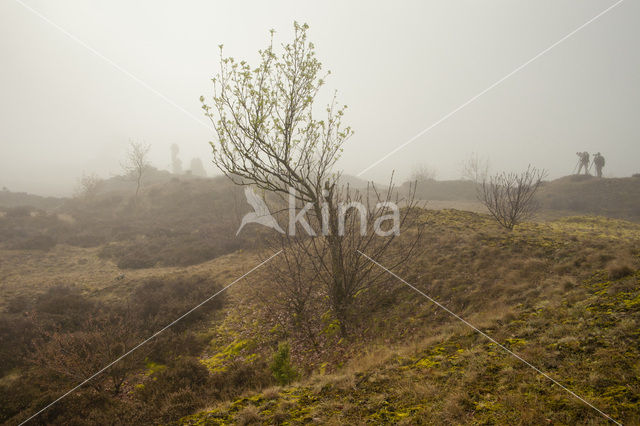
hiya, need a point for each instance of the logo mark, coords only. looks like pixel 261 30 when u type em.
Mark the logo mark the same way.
pixel 261 213
pixel 262 216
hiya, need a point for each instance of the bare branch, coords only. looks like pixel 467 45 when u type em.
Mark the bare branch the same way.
pixel 137 162
pixel 509 197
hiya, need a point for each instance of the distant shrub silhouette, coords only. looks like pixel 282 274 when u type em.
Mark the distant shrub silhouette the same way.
pixel 178 249
pixel 88 186
pixel 38 242
pixel 85 240
pixel 20 211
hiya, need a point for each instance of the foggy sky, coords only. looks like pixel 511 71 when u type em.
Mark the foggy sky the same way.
pixel 400 66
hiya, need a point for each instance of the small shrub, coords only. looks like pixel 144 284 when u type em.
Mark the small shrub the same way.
pixel 64 307
pixel 38 242
pixel 20 211
pixel 281 367
pixel 617 271
pixel 161 249
pixel 85 240
pixel 18 304
pixel 16 338
pixel 138 258
pixel 187 372
pixel 510 197
pixel 184 377
pixel 159 298
pixel 240 376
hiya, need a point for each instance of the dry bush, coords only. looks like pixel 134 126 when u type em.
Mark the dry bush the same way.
pixel 475 169
pixel 239 377
pixel 63 308
pixel 509 197
pixel 88 186
pixel 173 223
pixel 74 337
pixel 617 270
pixel 77 355
pixel 177 390
pixel 19 211
pixel 422 173
pixel 183 249
pixel 85 240
pixel 159 300
pixel 329 272
pixel 32 230
pixel 37 242
pixel 16 341
pixel 176 223
pixel 179 404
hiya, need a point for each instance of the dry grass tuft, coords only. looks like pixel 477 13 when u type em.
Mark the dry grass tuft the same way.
pixel 272 393
pixel 618 270
pixel 249 415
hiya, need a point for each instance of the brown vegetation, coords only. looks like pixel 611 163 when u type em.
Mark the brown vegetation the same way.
pixel 528 284
pixel 510 197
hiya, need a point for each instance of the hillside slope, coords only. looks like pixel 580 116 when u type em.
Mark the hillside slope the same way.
pixel 570 195
pixel 612 197
pixel 174 222
pixel 564 295
pixel 10 199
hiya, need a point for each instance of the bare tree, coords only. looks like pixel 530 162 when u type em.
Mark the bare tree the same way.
pixel 509 197
pixel 422 173
pixel 268 137
pixel 137 162
pixel 89 185
pixel 475 169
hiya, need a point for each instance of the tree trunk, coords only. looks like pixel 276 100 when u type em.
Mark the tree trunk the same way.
pixel 339 297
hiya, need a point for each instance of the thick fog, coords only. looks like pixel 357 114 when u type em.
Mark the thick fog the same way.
pixel 80 79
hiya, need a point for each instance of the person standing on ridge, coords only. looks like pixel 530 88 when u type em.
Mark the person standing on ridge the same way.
pixel 598 161
pixel 583 162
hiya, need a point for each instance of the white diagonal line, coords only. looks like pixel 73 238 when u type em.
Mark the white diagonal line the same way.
pixel 494 341
pixel 150 338
pixel 112 63
pixel 498 82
